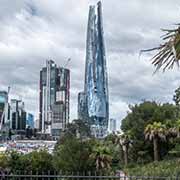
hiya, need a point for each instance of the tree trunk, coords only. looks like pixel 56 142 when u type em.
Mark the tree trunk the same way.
pixel 126 155
pixel 178 133
pixel 156 150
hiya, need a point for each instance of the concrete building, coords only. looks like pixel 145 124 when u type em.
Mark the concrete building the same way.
pixel 94 100
pixel 54 98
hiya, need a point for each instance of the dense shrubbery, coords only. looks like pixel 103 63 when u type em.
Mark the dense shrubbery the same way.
pixel 29 163
pixel 161 168
pixel 74 155
pixel 151 131
pixel 136 121
pixel 75 152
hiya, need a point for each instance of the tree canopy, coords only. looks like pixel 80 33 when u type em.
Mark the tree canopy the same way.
pixel 139 117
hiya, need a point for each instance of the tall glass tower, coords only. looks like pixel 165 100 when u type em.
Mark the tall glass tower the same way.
pixel 95 98
pixel 54 98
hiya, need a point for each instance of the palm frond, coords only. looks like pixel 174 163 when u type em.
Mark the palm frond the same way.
pixel 168 53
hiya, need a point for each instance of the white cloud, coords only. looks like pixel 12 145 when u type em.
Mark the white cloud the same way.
pixel 34 30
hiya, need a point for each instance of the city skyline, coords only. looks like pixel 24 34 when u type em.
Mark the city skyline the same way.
pixel 32 33
pixel 13 114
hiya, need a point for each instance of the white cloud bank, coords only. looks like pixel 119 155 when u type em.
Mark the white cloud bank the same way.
pixel 32 31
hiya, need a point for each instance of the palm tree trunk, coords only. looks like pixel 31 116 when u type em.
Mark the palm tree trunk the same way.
pixel 156 150
pixel 126 155
pixel 178 132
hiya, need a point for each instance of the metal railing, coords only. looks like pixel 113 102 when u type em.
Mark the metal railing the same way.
pixel 78 176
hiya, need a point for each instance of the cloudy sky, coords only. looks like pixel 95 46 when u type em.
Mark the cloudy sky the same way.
pixel 32 31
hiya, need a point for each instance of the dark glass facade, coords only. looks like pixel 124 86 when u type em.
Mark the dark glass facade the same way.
pixel 54 98
pixel 4 109
pixel 30 120
pixel 17 115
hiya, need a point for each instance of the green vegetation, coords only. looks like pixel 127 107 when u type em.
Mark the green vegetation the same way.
pixel 29 163
pixel 156 132
pixel 124 141
pixel 163 168
pixel 73 155
pixel 149 145
pixel 168 53
pixel 136 122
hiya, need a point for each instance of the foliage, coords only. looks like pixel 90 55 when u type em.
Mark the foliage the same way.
pixel 169 52
pixel 158 168
pixel 175 129
pixel 15 161
pixel 101 156
pixel 111 138
pixel 83 155
pixel 78 128
pixel 73 155
pixel 40 161
pixel 157 129
pixel 175 152
pixel 3 161
pixel 156 132
pixel 36 161
pixel 77 151
pixel 138 118
pixel 176 96
pixel 124 141
pixel 116 151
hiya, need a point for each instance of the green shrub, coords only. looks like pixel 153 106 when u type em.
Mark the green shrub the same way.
pixel 162 168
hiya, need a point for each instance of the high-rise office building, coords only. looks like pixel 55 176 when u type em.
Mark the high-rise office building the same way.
pixel 36 124
pixel 30 120
pixel 17 115
pixel 54 98
pixel 47 94
pixel 112 125
pixel 4 109
pixel 94 101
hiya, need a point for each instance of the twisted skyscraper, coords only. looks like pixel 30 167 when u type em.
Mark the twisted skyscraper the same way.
pixel 93 103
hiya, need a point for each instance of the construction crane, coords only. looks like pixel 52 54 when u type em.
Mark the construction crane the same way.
pixel 5 109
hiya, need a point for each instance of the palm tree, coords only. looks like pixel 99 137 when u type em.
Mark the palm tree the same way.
pixel 176 129
pixel 102 157
pixel 156 132
pixel 124 140
pixel 168 52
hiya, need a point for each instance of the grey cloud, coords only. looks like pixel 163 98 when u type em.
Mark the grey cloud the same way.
pixel 35 30
pixel 9 8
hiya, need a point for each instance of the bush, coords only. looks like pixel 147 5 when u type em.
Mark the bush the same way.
pixel 29 163
pixel 3 161
pixel 73 155
pixel 162 168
